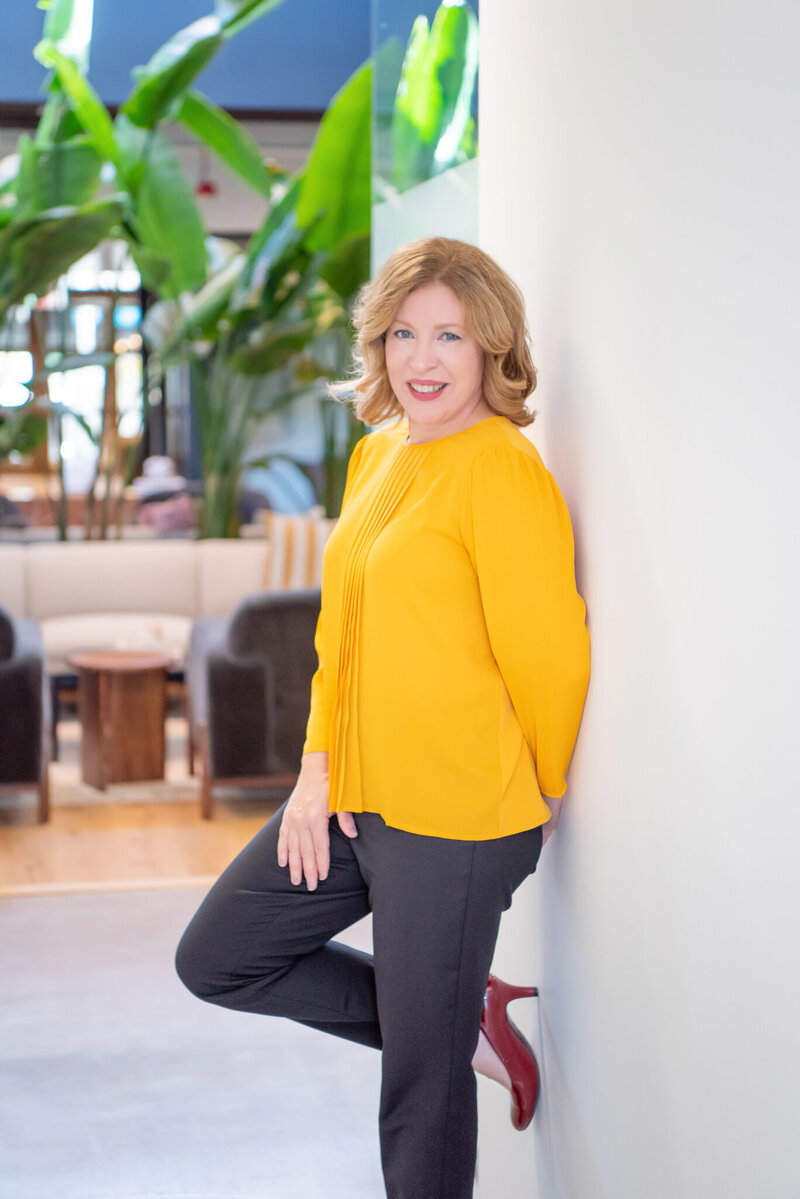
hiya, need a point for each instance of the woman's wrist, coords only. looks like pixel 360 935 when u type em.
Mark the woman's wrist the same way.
pixel 314 764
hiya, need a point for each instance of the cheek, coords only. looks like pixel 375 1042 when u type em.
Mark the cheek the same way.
pixel 393 355
pixel 471 370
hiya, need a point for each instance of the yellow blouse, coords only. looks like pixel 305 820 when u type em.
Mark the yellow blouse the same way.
pixel 452 642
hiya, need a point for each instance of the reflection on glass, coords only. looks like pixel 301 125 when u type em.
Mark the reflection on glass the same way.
pixel 425 91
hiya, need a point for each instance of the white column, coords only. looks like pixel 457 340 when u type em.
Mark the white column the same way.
pixel 639 177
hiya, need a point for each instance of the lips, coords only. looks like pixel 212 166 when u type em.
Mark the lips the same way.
pixel 425 388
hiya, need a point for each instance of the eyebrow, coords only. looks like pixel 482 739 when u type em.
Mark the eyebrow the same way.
pixel 445 325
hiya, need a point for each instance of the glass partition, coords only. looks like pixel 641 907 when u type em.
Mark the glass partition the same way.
pixel 425 121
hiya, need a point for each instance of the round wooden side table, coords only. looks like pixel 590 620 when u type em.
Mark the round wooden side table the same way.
pixel 122 702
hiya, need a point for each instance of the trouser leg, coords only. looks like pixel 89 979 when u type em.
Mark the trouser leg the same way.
pixel 259 944
pixel 436 911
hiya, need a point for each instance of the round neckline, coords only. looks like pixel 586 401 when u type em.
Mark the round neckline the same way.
pixel 418 445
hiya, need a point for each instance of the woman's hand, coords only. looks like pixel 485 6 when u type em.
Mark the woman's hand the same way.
pixel 304 838
pixel 555 808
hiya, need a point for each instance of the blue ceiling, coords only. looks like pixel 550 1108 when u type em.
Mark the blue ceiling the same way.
pixel 295 57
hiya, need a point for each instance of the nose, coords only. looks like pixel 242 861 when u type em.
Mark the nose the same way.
pixel 423 355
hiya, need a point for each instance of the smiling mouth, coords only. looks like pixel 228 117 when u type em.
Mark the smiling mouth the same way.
pixel 427 389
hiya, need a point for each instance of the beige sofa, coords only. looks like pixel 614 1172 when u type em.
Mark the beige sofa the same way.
pixel 126 594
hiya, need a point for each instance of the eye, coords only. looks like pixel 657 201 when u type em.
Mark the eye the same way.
pixel 451 337
pixel 402 334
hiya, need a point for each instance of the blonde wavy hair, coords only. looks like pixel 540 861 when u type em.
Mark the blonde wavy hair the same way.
pixel 494 311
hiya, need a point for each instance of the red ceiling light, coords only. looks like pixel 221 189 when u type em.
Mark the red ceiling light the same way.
pixel 206 187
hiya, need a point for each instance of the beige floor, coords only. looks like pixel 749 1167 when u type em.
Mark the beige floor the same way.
pixel 131 835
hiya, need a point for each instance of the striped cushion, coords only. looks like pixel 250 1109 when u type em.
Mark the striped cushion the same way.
pixel 294 549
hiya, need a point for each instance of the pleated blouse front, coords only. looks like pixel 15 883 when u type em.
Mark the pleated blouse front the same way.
pixel 452 644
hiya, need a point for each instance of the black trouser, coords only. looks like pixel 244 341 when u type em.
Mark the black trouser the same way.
pixel 259 944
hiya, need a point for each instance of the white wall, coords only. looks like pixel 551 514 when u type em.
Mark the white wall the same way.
pixel 639 176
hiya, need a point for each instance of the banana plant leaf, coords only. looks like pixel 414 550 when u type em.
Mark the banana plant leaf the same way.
pixel 87 106
pixel 34 252
pixel 278 233
pixel 68 27
pixel 234 15
pixel 348 266
pixel 20 431
pixel 434 97
pixel 168 326
pixel 171 70
pixel 165 220
pixel 274 348
pixel 153 268
pixel 336 180
pixel 65 173
pixel 229 140
pixel 26 177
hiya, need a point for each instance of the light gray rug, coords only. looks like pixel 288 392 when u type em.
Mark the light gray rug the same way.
pixel 115 1083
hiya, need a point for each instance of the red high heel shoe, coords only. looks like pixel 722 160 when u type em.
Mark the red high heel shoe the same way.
pixel 511 1047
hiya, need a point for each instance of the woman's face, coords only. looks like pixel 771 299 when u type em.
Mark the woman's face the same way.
pixel 434 365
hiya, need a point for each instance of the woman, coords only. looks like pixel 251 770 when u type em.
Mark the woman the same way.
pixel 453 666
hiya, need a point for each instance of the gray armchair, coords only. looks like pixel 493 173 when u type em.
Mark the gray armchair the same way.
pixel 249 684
pixel 24 711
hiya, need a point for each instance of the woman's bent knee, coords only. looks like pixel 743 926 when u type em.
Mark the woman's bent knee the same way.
pixel 194 968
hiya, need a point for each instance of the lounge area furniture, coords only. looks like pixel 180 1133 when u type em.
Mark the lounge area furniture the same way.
pixel 249 682
pixel 132 595
pixel 122 701
pixel 24 711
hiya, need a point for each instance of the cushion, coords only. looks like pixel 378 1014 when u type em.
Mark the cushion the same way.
pixel 7 636
pixel 63 635
pixel 66 579
pixel 295 548
pixel 12 579
pixel 228 570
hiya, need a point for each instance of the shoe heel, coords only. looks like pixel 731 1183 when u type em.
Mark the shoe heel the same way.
pixel 506 991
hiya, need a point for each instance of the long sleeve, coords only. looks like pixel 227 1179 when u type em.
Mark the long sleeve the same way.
pixel 523 553
pixel 317 727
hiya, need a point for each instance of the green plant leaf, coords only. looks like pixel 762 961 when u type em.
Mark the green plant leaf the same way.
pixel 348 266
pixel 66 173
pixel 336 180
pixel 165 218
pixel 34 252
pixel 168 326
pixel 229 140
pixel 274 348
pixel 21 431
pixel 267 246
pixel 235 14
pixel 171 70
pixel 86 104
pixel 154 268
pixel 68 26
pixel 26 176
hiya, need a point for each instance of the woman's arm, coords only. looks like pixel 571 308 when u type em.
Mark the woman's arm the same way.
pixel 524 558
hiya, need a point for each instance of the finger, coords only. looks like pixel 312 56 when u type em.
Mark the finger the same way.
pixel 309 859
pixel 321 838
pixel 295 858
pixel 283 851
pixel 347 824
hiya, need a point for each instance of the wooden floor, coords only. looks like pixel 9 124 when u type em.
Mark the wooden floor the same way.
pixel 130 836
pixel 121 845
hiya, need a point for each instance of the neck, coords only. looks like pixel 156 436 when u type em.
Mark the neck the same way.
pixel 419 433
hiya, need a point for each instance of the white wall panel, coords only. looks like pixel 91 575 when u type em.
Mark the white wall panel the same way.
pixel 639 176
